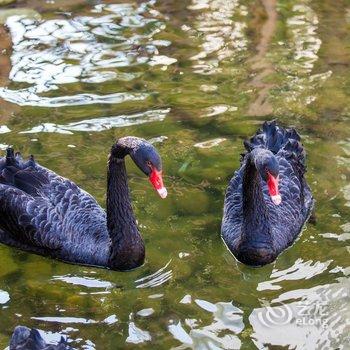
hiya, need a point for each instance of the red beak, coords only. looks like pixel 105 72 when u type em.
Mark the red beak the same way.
pixel 272 184
pixel 157 182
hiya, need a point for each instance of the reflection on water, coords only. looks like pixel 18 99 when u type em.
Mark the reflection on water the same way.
pixel 83 281
pixel 4 297
pixel 137 335
pixel 315 321
pixel 100 124
pixel 49 53
pixel 158 139
pixel 209 143
pixel 145 312
pixel 155 279
pixel 300 270
pixel 179 74
pixel 111 319
pixel 4 129
pixel 52 337
pixel 223 35
pixel 226 319
pixel 303 27
pixel 27 98
pixel 300 54
pixel 65 320
pixel 216 110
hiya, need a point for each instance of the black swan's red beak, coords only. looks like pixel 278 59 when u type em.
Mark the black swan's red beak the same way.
pixel 272 184
pixel 157 182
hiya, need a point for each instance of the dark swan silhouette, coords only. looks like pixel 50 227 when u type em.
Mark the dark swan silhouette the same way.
pixel 24 338
pixel 268 200
pixel 47 214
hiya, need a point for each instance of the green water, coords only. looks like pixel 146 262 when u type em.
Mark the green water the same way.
pixel 197 77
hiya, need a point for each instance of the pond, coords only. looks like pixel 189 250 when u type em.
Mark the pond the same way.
pixel 196 77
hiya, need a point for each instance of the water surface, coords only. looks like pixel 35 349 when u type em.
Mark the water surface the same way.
pixel 196 78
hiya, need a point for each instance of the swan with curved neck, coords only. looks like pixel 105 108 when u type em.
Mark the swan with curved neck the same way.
pixel 268 200
pixel 45 213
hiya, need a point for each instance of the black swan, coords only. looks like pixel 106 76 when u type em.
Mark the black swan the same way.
pixel 45 213
pixel 24 338
pixel 268 200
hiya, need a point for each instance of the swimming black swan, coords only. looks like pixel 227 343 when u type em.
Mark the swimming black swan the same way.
pixel 24 338
pixel 45 213
pixel 268 200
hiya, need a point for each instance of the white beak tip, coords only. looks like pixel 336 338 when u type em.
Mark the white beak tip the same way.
pixel 162 192
pixel 276 199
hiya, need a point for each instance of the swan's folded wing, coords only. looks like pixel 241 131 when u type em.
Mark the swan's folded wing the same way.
pixel 30 181
pixel 38 181
pixel 26 176
pixel 27 219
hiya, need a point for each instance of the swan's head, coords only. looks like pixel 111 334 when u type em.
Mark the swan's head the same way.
pixel 268 167
pixel 148 160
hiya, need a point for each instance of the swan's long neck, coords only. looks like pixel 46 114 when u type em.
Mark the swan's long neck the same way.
pixel 256 225
pixel 127 247
pixel 120 216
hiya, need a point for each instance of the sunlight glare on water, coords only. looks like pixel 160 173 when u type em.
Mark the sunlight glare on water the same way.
pixel 195 78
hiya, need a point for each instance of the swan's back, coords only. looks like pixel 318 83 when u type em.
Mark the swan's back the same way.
pixel 43 212
pixel 24 338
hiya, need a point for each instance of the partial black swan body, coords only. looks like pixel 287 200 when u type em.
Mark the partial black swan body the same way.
pixel 45 213
pixel 268 200
pixel 24 338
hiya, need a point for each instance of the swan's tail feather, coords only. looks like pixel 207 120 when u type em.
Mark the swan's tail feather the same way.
pixel 278 139
pixel 21 173
pixel 10 156
pixel 18 157
pixel 272 137
pixel 31 162
pixel 294 151
pixel 15 159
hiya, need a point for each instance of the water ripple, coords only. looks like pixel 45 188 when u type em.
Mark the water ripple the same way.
pixel 145 312
pixel 4 297
pixel 101 124
pixel 4 129
pixel 83 281
pixel 27 98
pixel 299 271
pixel 65 320
pixel 220 334
pixel 316 318
pixel 224 36
pixel 303 26
pixel 51 52
pixel 210 143
pixel 137 335
pixel 296 58
pixel 155 279
pixel 48 53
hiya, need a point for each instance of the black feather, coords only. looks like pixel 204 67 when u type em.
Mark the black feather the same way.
pixel 24 338
pixel 271 228
pixel 45 213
